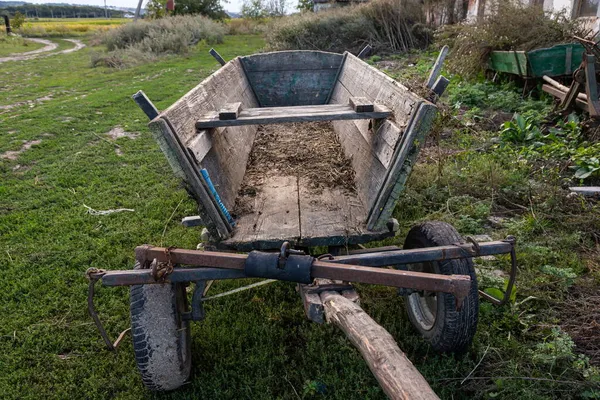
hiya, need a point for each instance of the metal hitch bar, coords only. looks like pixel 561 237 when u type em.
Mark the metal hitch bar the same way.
pixel 209 265
pixel 162 265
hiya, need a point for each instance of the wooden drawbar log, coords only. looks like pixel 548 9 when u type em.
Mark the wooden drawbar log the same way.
pixel 396 375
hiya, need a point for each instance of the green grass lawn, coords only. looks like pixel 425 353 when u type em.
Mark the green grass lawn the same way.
pixel 256 344
pixel 10 45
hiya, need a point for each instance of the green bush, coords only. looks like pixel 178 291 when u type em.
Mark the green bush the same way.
pixel 388 25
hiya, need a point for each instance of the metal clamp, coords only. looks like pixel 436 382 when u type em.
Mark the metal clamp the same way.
pixel 160 270
pixel 287 265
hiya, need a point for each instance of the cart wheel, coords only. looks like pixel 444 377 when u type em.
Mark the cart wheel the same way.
pixel 435 315
pixel 161 338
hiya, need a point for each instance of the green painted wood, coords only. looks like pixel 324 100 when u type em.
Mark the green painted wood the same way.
pixel 554 61
pixel 292 78
pixel 512 62
pixel 558 60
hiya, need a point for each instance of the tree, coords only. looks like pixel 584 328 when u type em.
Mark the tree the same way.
pixel 253 9
pixel 209 8
pixel 305 5
pixel 18 20
pixel 275 8
pixel 156 8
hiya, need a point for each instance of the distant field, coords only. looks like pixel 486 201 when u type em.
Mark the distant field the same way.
pixel 68 26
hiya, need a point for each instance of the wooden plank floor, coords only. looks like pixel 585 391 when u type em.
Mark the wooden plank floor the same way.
pixel 275 217
pixel 287 209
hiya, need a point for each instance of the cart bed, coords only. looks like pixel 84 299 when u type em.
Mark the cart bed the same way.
pixel 381 148
pixel 299 187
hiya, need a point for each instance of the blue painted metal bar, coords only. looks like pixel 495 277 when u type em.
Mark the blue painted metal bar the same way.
pixel 204 173
pixel 144 276
pixel 412 256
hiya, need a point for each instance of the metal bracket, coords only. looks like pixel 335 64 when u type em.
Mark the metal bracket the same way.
pixel 197 313
pixel 94 275
pixel 511 280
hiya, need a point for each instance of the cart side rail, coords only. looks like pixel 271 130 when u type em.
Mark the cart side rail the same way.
pixel 382 151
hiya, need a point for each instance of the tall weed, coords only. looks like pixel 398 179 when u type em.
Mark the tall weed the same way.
pixel 388 25
pixel 510 26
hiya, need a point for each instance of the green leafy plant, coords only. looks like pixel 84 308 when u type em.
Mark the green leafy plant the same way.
pixel 569 130
pixel 586 167
pixel 520 130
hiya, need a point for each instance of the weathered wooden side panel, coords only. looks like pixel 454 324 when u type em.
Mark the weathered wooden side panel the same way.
pixel 375 149
pixel 292 78
pixel 404 159
pixel 223 152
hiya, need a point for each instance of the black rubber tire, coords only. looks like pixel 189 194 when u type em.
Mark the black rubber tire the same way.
pixel 161 338
pixel 446 329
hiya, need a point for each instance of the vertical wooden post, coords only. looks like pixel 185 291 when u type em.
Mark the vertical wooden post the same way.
pixel 437 67
pixel 217 56
pixel 145 104
pixel 439 87
pixel 365 52
pixel 7 23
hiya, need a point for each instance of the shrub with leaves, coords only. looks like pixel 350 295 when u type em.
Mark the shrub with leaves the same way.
pixel 564 141
pixel 18 20
pixel 171 35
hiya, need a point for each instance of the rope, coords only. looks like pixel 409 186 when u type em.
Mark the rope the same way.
pixel 265 282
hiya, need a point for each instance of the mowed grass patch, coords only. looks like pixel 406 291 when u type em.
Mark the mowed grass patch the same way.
pixel 253 345
pixel 14 45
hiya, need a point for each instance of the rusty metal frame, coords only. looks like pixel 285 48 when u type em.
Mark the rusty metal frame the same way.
pixel 361 267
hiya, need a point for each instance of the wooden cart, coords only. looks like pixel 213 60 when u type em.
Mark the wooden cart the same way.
pixel 207 137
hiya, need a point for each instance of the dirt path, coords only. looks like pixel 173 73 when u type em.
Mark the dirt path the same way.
pixel 44 51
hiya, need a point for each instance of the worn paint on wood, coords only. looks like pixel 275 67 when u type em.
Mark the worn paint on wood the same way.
pixel 373 145
pixel 180 162
pixel 558 60
pixel 374 152
pixel 282 115
pixel 292 78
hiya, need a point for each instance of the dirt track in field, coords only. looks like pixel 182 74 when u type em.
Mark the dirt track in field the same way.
pixel 45 51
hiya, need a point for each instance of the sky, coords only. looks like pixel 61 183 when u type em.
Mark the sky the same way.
pixel 231 5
